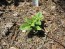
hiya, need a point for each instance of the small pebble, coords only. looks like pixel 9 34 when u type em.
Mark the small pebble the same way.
pixel 1 47
pixel 8 25
pixel 53 7
pixel 5 27
pixel 13 48
pixel 44 12
pixel 4 43
pixel 23 30
pixel 15 14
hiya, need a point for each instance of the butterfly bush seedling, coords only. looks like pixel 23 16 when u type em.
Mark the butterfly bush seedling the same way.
pixel 33 23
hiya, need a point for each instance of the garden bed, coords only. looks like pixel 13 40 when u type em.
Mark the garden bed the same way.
pixel 11 17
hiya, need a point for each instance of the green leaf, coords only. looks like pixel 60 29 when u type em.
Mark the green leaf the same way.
pixel 25 26
pixel 38 28
pixel 39 14
pixel 35 21
pixel 38 23
pixel 33 24
pixel 27 20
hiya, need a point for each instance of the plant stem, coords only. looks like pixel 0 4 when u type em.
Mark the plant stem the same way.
pixel 54 39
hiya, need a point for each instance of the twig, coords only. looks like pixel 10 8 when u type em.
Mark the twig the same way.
pixel 55 40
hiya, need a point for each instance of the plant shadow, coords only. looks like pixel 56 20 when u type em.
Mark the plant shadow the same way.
pixel 9 2
pixel 39 33
pixel 16 2
pixel 3 2
pixel 6 3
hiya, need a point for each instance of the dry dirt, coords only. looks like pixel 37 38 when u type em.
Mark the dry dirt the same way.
pixel 11 17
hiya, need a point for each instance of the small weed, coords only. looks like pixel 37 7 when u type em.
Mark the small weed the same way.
pixel 33 23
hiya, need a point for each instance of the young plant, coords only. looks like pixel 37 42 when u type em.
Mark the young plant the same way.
pixel 32 24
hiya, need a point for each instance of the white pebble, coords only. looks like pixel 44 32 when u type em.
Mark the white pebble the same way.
pixel 23 30
pixel 53 7
pixel 15 14
pixel 12 48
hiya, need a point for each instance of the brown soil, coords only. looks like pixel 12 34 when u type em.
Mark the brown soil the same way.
pixel 11 17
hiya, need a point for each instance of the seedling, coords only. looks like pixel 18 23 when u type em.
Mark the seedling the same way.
pixel 33 23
